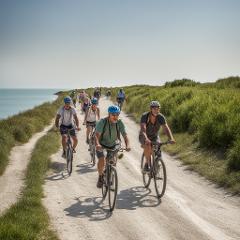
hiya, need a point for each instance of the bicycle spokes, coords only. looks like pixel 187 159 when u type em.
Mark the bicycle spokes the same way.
pixel 160 177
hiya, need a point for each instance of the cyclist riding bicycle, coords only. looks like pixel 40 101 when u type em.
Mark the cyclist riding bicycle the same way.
pixel 150 125
pixel 73 95
pixel 121 96
pixel 107 135
pixel 97 93
pixel 86 103
pixel 91 116
pixel 67 116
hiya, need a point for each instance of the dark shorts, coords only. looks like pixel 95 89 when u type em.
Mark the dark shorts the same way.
pixel 100 154
pixel 91 124
pixel 64 130
pixel 142 139
pixel 120 100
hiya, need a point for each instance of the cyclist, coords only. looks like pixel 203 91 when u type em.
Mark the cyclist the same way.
pixel 120 97
pixel 91 115
pixel 68 116
pixel 150 124
pixel 86 103
pixel 73 95
pixel 107 135
pixel 108 93
pixel 97 93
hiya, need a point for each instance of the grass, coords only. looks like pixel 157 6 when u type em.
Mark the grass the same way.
pixel 20 128
pixel 205 120
pixel 28 219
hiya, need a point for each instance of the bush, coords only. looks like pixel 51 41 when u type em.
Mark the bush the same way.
pixel 182 83
pixel 234 156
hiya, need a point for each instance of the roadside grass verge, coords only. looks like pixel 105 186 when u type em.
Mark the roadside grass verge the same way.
pixel 20 128
pixel 208 163
pixel 205 122
pixel 28 219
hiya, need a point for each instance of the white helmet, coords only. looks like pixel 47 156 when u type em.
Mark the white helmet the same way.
pixel 155 104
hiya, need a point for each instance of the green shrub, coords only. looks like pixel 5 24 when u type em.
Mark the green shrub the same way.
pixel 19 128
pixel 234 156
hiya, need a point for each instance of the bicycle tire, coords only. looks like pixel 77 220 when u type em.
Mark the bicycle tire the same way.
pixel 93 154
pixel 104 185
pixel 160 177
pixel 69 160
pixel 146 176
pixel 113 187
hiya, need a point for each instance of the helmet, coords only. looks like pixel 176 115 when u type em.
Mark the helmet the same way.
pixel 94 101
pixel 114 109
pixel 154 104
pixel 67 99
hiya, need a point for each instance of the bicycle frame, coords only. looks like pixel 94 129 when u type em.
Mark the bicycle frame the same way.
pixel 110 178
pixel 156 164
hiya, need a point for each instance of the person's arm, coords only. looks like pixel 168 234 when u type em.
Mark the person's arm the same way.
pixel 144 132
pixel 98 113
pixel 126 140
pixel 168 132
pixel 57 120
pixel 97 141
pixel 85 117
pixel 76 121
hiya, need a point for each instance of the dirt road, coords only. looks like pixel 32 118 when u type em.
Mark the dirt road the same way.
pixel 12 180
pixel 192 208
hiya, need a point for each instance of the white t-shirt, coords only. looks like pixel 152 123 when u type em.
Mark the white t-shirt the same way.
pixel 91 115
pixel 67 116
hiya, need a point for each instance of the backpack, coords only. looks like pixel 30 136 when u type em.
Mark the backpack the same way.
pixel 62 114
pixel 104 127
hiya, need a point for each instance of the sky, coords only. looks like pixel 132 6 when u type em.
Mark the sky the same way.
pixel 78 44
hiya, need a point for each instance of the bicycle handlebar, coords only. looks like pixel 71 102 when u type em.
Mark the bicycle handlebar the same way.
pixel 161 143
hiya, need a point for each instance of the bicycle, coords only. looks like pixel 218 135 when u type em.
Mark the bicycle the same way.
pixel 110 178
pixel 69 152
pixel 157 170
pixel 92 145
pixel 120 103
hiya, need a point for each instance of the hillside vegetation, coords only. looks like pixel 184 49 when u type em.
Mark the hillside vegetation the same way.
pixel 204 117
pixel 20 128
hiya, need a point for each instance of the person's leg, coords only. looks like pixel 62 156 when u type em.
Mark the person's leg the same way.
pixel 64 141
pixel 147 152
pixel 87 133
pixel 100 166
pixel 75 142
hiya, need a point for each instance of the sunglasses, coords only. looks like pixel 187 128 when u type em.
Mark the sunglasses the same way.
pixel 115 114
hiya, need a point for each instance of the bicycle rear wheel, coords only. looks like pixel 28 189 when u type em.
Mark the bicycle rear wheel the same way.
pixel 160 177
pixel 69 160
pixel 113 187
pixel 146 176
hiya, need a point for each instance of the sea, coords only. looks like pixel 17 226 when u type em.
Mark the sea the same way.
pixel 13 101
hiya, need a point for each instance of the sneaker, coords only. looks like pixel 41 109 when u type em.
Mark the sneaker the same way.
pixel 146 168
pixel 74 151
pixel 99 182
pixel 87 141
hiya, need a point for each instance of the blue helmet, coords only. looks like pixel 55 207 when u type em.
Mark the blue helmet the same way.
pixel 94 101
pixel 67 99
pixel 114 109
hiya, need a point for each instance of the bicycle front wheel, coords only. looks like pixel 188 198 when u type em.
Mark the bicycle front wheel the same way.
pixel 104 185
pixel 113 187
pixel 69 160
pixel 160 177
pixel 146 176
pixel 93 154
